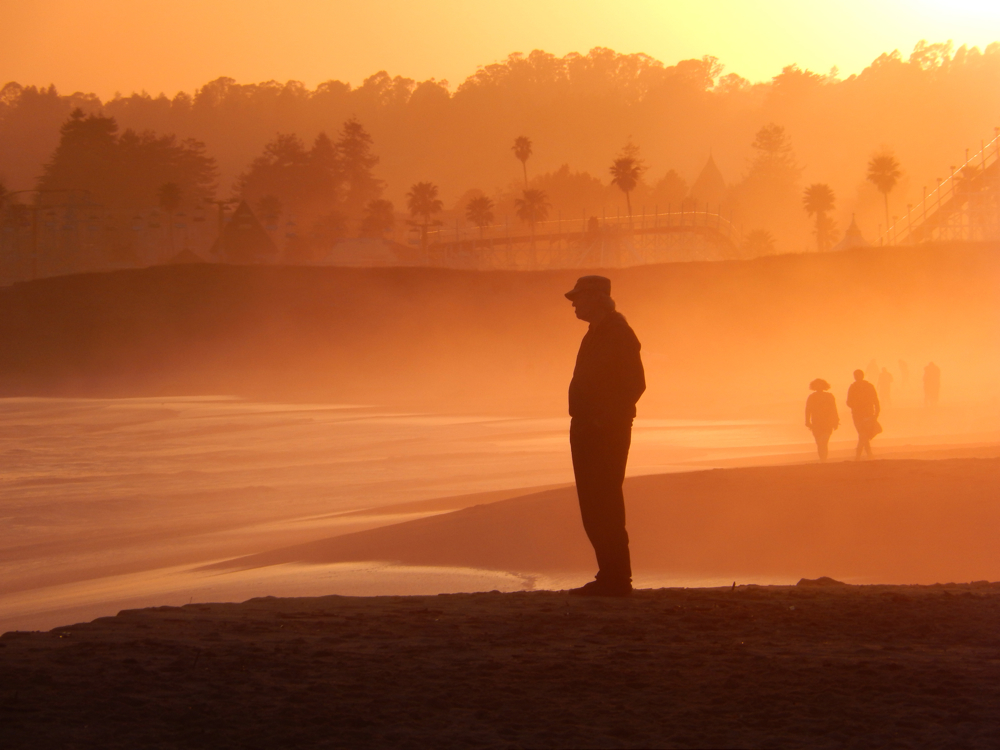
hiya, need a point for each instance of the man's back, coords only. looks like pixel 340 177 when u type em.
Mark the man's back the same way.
pixel 862 399
pixel 608 378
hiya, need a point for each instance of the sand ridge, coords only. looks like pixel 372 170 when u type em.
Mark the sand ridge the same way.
pixel 746 666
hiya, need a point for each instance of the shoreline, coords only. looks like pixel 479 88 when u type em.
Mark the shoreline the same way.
pixel 883 521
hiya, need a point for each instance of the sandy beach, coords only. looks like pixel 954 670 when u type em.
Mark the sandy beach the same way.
pixel 804 666
pixel 512 375
pixel 367 479
pixel 818 664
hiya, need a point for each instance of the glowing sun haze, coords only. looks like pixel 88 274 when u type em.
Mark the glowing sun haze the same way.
pixel 104 46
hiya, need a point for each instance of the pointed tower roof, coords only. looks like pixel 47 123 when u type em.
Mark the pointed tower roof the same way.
pixel 710 187
pixel 243 239
pixel 852 238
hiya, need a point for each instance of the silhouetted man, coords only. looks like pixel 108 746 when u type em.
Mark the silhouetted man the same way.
pixel 932 384
pixel 862 400
pixel 607 382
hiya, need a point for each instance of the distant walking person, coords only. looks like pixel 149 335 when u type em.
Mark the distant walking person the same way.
pixel 821 415
pixel 932 384
pixel 862 400
pixel 885 386
pixel 607 382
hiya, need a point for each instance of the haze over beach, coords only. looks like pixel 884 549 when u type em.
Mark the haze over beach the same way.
pixel 290 303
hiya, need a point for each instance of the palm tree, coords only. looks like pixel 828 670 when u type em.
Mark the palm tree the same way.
pixel 522 150
pixel 818 199
pixel 422 201
pixel 883 172
pixel 531 208
pixel 480 212
pixel 626 171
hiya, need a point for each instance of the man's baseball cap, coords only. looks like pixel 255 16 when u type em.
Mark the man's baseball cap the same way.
pixel 600 284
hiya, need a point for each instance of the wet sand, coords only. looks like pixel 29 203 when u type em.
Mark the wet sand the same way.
pixel 110 504
pixel 892 521
pixel 754 667
pixel 114 504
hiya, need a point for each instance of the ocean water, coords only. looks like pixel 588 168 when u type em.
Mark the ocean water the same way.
pixel 110 503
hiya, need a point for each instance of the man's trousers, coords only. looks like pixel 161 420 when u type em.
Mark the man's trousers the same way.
pixel 600 452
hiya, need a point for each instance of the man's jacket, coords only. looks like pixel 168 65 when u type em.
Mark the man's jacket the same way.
pixel 862 399
pixel 608 378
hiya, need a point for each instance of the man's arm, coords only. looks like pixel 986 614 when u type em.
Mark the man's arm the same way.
pixel 636 374
pixel 626 378
pixel 631 372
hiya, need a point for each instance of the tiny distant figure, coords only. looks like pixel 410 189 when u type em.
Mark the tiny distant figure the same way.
pixel 872 371
pixel 904 374
pixel 821 415
pixel 862 400
pixel 607 382
pixel 932 384
pixel 885 386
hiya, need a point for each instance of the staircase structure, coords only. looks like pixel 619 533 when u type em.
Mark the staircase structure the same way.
pixel 964 206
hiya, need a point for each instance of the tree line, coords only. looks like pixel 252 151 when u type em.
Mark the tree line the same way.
pixel 331 188
pixel 770 140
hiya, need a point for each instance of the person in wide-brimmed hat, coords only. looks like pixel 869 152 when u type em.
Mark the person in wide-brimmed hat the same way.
pixel 821 415
pixel 607 382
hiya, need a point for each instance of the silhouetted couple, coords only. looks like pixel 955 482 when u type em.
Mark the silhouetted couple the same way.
pixel 822 417
pixel 607 382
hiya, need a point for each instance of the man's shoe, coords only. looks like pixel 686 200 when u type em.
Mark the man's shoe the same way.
pixel 599 588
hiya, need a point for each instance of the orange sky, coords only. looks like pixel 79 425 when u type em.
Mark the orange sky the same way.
pixel 104 46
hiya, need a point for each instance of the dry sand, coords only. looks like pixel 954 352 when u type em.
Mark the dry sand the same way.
pixel 767 667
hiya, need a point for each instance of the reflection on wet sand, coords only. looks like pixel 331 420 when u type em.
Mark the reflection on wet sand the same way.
pixel 112 503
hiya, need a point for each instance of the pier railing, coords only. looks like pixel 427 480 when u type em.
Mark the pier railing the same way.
pixel 962 206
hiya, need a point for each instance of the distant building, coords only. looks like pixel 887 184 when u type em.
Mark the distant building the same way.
pixel 709 190
pixel 244 240
pixel 852 238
